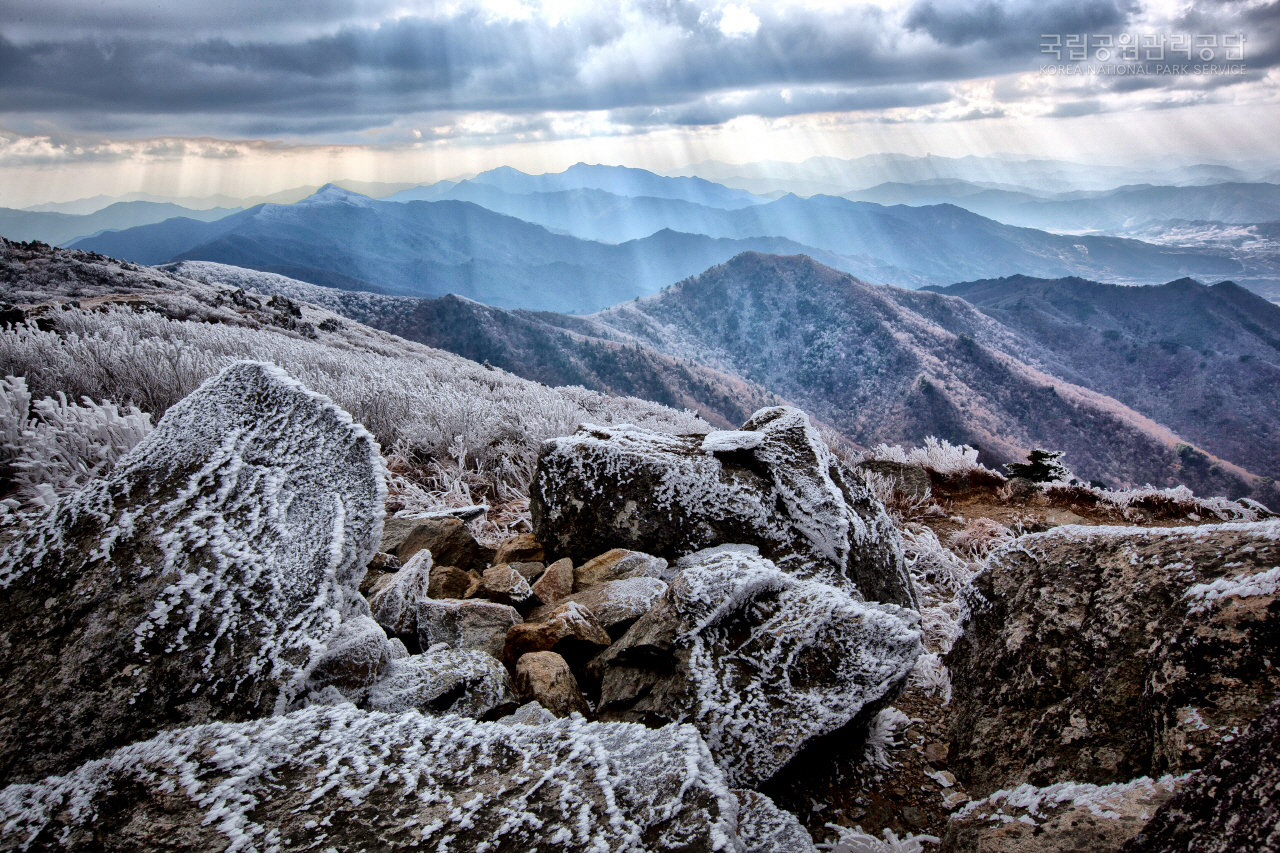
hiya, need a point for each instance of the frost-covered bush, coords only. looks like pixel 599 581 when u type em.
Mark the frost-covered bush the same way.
pixel 1177 502
pixel 856 841
pixel 937 455
pixel 64 445
pixel 939 576
pixel 882 736
pixel 979 537
pixel 451 421
pixel 931 675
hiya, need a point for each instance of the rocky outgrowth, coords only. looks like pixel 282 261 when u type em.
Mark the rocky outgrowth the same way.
pixel 1232 805
pixel 545 678
pixel 772 484
pixel 448 540
pixel 1102 654
pixel 524 548
pixel 445 681
pixel 479 625
pixel 346 779
pixel 202 580
pixel 1062 818
pixel 556 582
pixel 757 659
pixel 617 564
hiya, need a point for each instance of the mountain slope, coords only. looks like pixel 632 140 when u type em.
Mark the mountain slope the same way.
pixel 859 357
pixel 1204 361
pixel 565 351
pixel 58 228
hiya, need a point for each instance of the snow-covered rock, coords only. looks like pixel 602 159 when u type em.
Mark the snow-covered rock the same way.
pixel 776 486
pixel 1103 654
pixel 613 603
pixel 1062 818
pixel 339 778
pixel 203 579
pixel 768 829
pixel 466 682
pixel 395 605
pixel 759 660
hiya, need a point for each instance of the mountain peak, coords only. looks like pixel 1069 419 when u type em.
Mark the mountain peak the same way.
pixel 334 194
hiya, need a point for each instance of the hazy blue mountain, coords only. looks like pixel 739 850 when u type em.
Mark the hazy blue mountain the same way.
pixel 619 180
pixel 1128 207
pixel 59 228
pixel 1202 360
pixel 886 364
pixel 834 175
pixel 937 192
pixel 341 239
pixel 374 189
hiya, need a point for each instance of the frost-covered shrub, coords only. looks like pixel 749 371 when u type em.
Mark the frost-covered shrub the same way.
pixel 882 736
pixel 979 537
pixel 1177 502
pixel 939 576
pixel 454 423
pixel 856 841
pixel 64 445
pixel 931 675
pixel 937 455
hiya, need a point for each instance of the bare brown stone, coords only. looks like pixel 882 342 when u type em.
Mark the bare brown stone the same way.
pixel 545 678
pixel 448 540
pixel 556 582
pixel 520 549
pixel 449 582
pixel 569 629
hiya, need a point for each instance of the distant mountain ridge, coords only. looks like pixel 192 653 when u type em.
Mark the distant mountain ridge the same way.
pixel 1203 360
pixel 58 228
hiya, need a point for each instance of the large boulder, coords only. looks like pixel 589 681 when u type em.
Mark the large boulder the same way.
pixel 759 660
pixel 342 779
pixel 1231 805
pixel 615 604
pixel 1103 654
pixel 202 580
pixel 772 484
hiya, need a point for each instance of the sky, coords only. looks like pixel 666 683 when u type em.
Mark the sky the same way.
pixel 246 97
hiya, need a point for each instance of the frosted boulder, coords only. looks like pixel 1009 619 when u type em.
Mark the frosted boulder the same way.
pixel 1104 654
pixel 343 779
pixel 357 652
pixel 758 660
pixel 201 580
pixel 773 484
pixel 614 603
pixel 465 682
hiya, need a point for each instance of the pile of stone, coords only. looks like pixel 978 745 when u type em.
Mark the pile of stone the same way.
pixel 223 645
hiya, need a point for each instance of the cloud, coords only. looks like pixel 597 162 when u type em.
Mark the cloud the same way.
pixel 334 69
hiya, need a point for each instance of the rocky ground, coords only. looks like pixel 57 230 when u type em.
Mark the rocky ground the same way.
pixel 739 640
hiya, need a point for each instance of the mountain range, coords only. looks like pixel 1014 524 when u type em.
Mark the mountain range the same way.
pixel 875 363
pixel 430 248
pixel 58 228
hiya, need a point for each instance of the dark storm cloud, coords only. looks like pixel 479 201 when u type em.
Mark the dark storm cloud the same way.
pixel 263 67
pixel 1013 26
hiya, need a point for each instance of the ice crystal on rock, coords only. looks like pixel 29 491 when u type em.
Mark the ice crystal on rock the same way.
pixel 201 580
pixel 759 660
pixel 444 681
pixel 340 778
pixel 773 484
